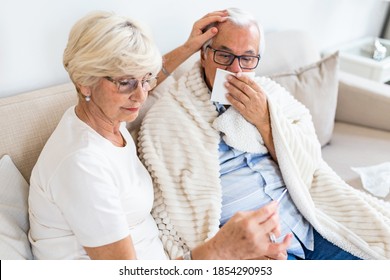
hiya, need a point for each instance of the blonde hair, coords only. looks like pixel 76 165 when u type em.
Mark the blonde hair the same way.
pixel 104 44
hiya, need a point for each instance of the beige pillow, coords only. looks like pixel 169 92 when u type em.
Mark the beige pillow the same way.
pixel 316 86
pixel 14 227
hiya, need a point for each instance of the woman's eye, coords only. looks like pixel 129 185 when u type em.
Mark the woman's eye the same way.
pixel 123 83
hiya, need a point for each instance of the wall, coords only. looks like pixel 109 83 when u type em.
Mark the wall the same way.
pixel 33 34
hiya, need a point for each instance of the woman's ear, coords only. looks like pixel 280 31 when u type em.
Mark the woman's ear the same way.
pixel 84 90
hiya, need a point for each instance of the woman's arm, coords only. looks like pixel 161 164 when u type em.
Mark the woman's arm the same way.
pixel 120 250
pixel 246 236
pixel 195 41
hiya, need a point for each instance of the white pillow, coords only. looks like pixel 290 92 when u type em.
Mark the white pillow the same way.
pixel 14 227
pixel 316 86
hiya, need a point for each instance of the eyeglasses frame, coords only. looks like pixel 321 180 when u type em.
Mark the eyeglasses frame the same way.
pixel 235 56
pixel 143 81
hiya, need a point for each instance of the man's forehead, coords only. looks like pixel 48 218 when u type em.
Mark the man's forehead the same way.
pixel 229 30
pixel 231 36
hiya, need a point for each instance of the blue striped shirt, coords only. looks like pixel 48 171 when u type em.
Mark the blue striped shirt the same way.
pixel 249 181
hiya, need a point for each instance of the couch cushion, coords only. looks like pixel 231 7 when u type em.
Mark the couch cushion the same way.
pixel 28 119
pixel 362 101
pixel 316 86
pixel 14 242
pixel 356 146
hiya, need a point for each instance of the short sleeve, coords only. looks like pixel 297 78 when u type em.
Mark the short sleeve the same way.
pixel 85 190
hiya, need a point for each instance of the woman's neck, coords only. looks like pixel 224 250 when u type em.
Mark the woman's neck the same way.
pixel 91 114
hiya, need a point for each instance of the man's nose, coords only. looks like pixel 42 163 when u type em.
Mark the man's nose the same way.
pixel 235 66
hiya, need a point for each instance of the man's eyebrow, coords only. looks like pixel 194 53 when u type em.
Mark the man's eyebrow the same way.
pixel 224 48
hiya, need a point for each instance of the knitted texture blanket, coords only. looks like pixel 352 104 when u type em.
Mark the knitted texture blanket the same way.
pixel 179 146
pixel 239 133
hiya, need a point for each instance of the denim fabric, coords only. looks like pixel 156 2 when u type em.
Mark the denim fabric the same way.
pixel 324 250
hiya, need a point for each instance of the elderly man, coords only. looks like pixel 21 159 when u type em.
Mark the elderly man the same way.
pixel 209 161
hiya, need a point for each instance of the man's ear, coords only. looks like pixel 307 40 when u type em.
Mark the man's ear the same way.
pixel 202 57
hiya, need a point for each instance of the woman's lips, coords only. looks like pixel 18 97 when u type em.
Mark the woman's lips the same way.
pixel 131 109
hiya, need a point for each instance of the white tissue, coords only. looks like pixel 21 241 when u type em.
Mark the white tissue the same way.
pixel 376 178
pixel 219 90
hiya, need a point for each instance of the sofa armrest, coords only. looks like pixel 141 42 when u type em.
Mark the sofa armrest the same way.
pixel 363 102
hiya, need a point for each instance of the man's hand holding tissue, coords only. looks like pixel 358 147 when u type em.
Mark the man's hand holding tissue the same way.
pixel 247 97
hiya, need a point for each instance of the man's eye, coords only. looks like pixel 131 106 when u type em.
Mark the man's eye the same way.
pixel 247 58
pixel 225 55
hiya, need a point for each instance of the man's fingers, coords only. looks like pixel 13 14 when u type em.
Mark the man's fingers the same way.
pixel 244 84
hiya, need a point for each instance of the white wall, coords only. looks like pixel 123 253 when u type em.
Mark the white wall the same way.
pixel 33 34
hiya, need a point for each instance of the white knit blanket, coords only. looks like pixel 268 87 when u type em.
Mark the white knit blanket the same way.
pixel 179 146
pixel 238 133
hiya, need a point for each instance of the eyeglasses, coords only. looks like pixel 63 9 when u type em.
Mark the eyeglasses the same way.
pixel 226 58
pixel 128 85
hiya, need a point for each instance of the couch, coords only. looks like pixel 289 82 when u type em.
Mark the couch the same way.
pixel 351 116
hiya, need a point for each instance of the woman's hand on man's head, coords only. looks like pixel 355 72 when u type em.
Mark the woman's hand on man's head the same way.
pixel 198 34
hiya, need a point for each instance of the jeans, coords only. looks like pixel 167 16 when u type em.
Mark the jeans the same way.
pixel 324 250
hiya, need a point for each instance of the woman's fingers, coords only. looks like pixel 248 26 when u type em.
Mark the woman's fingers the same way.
pixel 198 35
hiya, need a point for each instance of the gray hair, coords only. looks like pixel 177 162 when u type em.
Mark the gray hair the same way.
pixel 104 44
pixel 243 19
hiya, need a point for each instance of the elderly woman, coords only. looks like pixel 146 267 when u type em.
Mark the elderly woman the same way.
pixel 90 196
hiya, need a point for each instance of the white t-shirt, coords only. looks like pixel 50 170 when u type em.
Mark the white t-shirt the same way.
pixel 87 192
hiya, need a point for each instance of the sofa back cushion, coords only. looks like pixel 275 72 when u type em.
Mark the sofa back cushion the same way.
pixel 27 120
pixel 316 86
pixel 293 60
